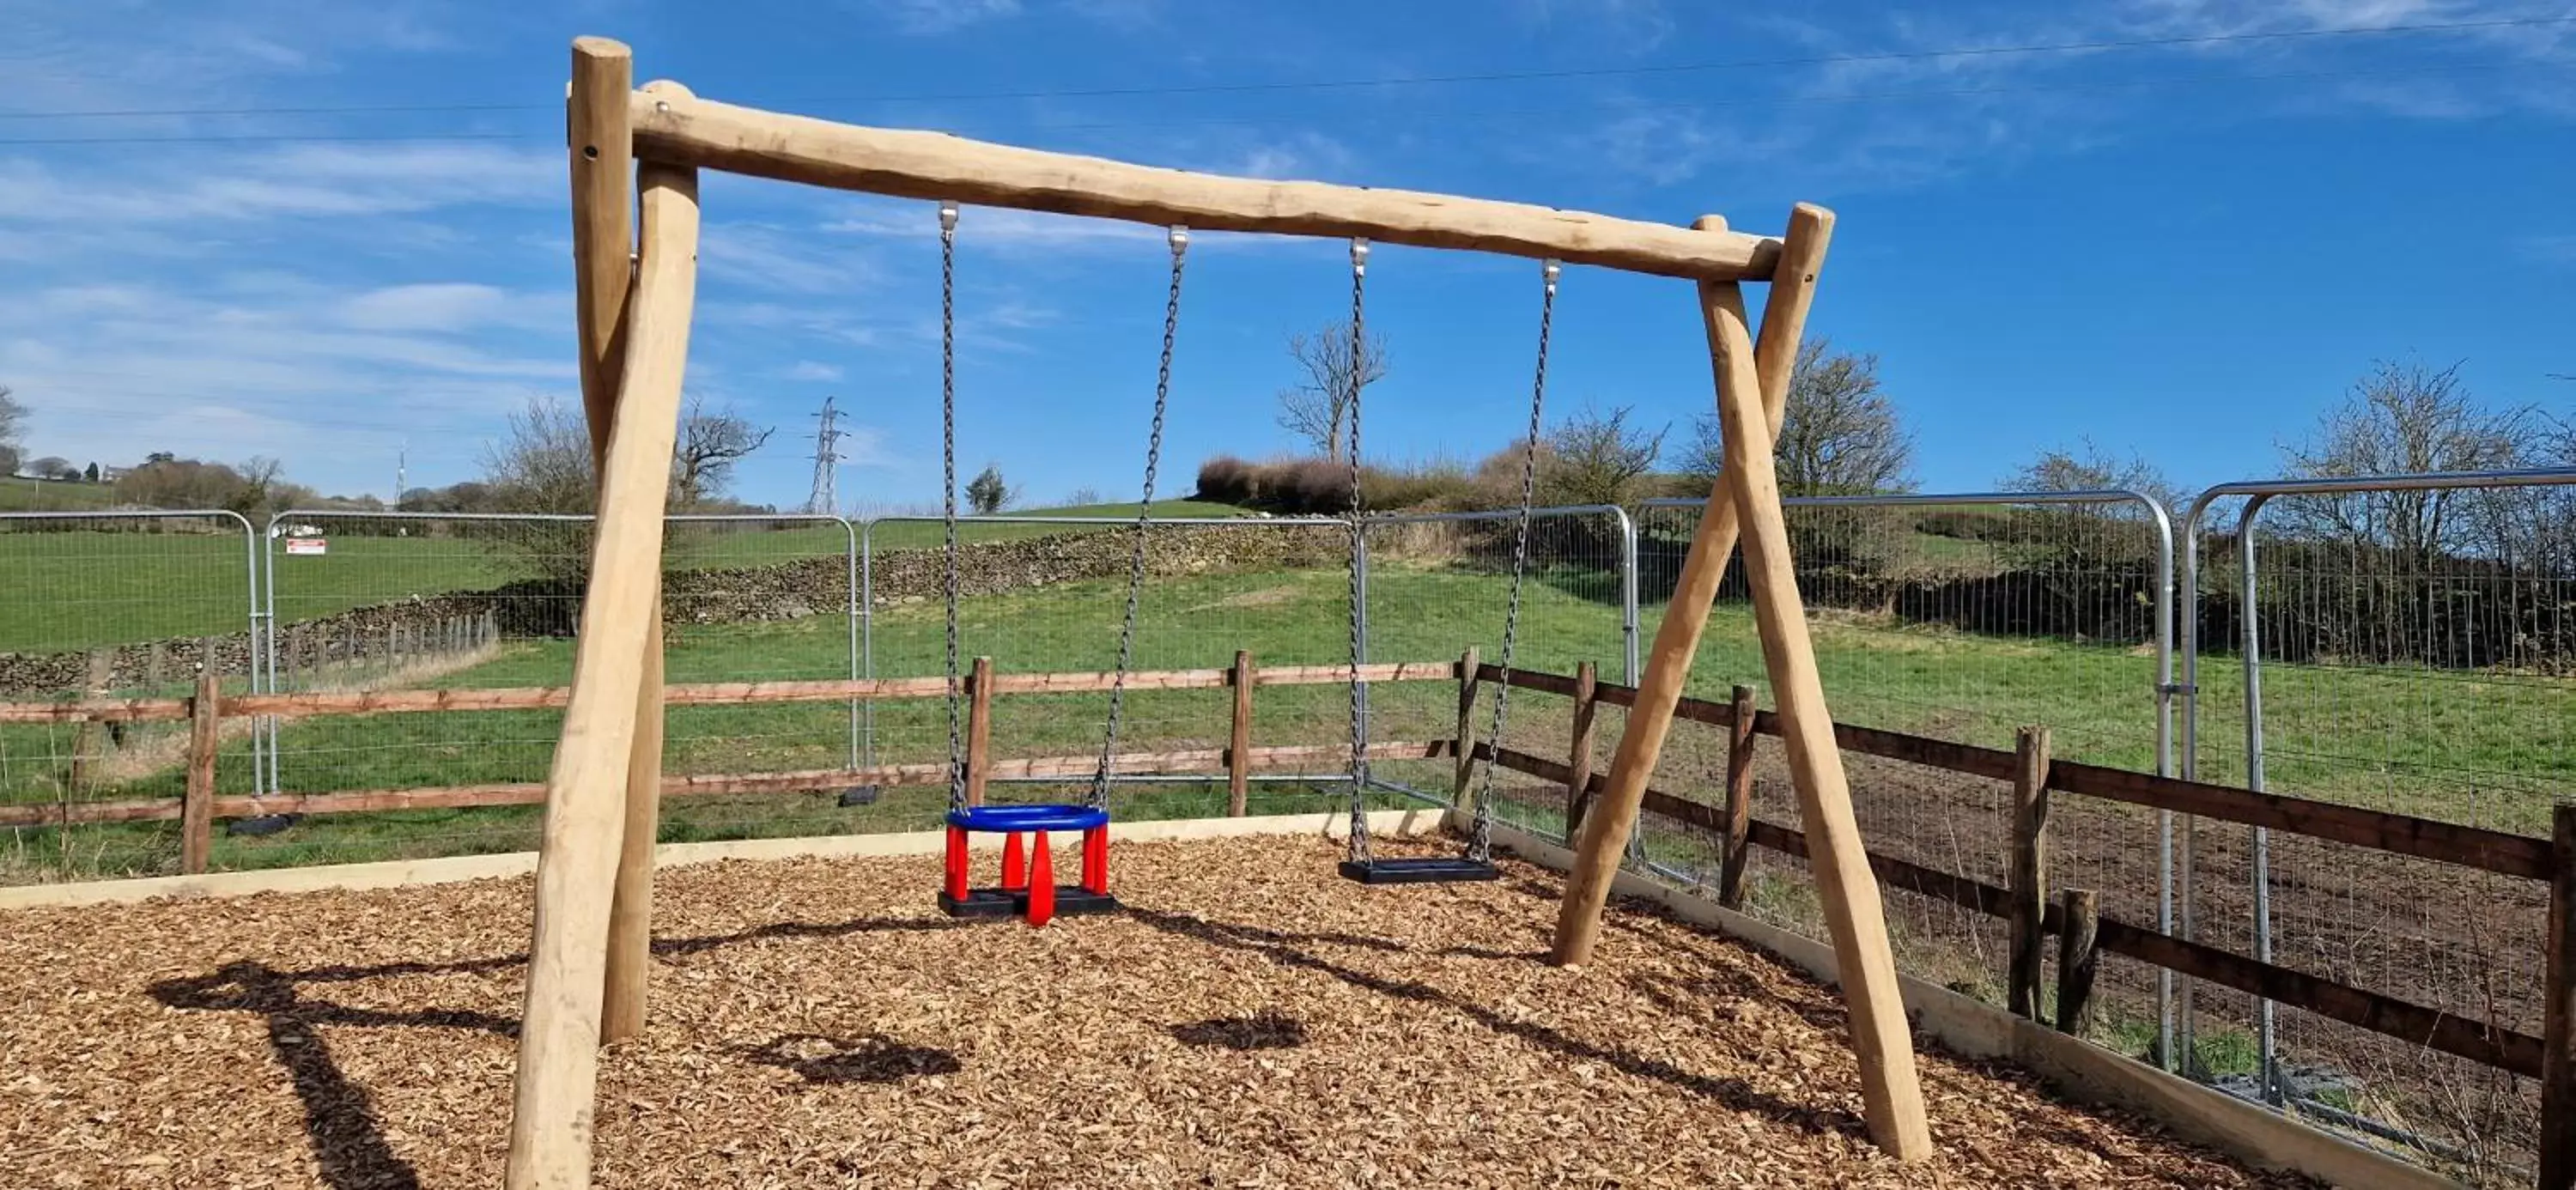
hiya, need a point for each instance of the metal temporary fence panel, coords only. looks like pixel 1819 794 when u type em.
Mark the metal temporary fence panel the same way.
pixel 1047 594
pixel 2406 643
pixel 1961 616
pixel 1439 582
pixel 367 601
pixel 126 605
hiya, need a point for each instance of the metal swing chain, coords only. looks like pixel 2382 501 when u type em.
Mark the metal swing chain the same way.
pixel 1480 841
pixel 1144 514
pixel 1359 845
pixel 948 488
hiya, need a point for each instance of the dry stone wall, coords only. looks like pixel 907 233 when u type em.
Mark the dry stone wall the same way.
pixel 784 591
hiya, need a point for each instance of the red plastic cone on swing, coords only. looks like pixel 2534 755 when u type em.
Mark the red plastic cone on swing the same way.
pixel 1014 864
pixel 1041 882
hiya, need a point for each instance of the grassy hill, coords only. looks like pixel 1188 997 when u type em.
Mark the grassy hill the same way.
pixel 1949 684
pixel 157 580
pixel 18 493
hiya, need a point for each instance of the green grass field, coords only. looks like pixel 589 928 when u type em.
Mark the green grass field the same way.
pixel 2484 751
pixel 144 582
pixel 21 494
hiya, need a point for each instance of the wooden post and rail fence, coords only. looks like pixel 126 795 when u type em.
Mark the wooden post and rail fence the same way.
pixel 199 808
pixel 2075 919
pixel 2034 910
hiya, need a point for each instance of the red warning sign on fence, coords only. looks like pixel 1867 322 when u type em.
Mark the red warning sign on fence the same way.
pixel 308 545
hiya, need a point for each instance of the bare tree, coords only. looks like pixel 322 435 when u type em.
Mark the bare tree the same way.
pixel 988 492
pixel 2404 418
pixel 1596 458
pixel 1317 407
pixel 54 467
pixel 2089 468
pixel 13 424
pixel 1840 435
pixel 542 461
pixel 710 444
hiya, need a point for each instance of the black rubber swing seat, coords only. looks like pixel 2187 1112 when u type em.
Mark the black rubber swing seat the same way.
pixel 1436 869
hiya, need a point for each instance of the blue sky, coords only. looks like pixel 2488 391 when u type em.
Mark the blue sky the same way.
pixel 2187 250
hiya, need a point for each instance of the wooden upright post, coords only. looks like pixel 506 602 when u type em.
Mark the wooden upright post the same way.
pixel 2558 1010
pixel 197 807
pixel 1865 965
pixel 1238 744
pixel 601 151
pixel 586 805
pixel 1578 755
pixel 1462 789
pixel 979 729
pixel 2029 876
pixel 87 751
pixel 2078 957
pixel 1739 800
pixel 1659 689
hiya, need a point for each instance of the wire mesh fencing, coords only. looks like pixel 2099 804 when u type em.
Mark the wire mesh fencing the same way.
pixel 1441 583
pixel 1960 617
pixel 115 605
pixel 1049 595
pixel 367 602
pixel 2407 645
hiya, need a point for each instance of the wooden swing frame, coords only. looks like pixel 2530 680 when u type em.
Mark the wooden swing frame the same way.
pixel 635 296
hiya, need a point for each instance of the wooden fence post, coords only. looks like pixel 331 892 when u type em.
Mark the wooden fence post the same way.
pixel 1238 748
pixel 1468 664
pixel 2029 870
pixel 2077 958
pixel 1578 757
pixel 87 750
pixel 197 805
pixel 979 728
pixel 1739 800
pixel 2558 1010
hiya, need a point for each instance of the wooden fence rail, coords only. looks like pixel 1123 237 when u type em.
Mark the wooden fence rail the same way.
pixel 2444 842
pixel 2550 1057
pixel 2414 1023
pixel 198 809
pixel 536 698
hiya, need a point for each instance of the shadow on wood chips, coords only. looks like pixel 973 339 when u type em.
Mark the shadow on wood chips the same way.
pixel 1249 1020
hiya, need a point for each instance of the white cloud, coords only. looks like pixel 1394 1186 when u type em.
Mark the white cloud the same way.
pixel 1001 227
pixel 326 376
pixel 769 257
pixel 2549 249
pixel 811 370
pixel 1899 109
pixel 448 306
pixel 864 446
pixel 1637 26
pixel 301 181
pixel 931 17
pixel 1299 155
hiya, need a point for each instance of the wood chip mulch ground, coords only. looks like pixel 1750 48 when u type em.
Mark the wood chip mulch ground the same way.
pixel 1252 1021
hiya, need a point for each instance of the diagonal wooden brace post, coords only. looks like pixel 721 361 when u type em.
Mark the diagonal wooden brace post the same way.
pixel 601 149
pixel 1613 814
pixel 1752 387
pixel 585 823
pixel 1847 891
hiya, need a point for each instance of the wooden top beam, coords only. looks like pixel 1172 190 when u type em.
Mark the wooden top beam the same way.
pixel 683 130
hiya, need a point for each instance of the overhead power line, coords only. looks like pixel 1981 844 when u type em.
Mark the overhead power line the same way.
pixel 1499 76
pixel 267 138
pixel 1513 76
pixel 1432 114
